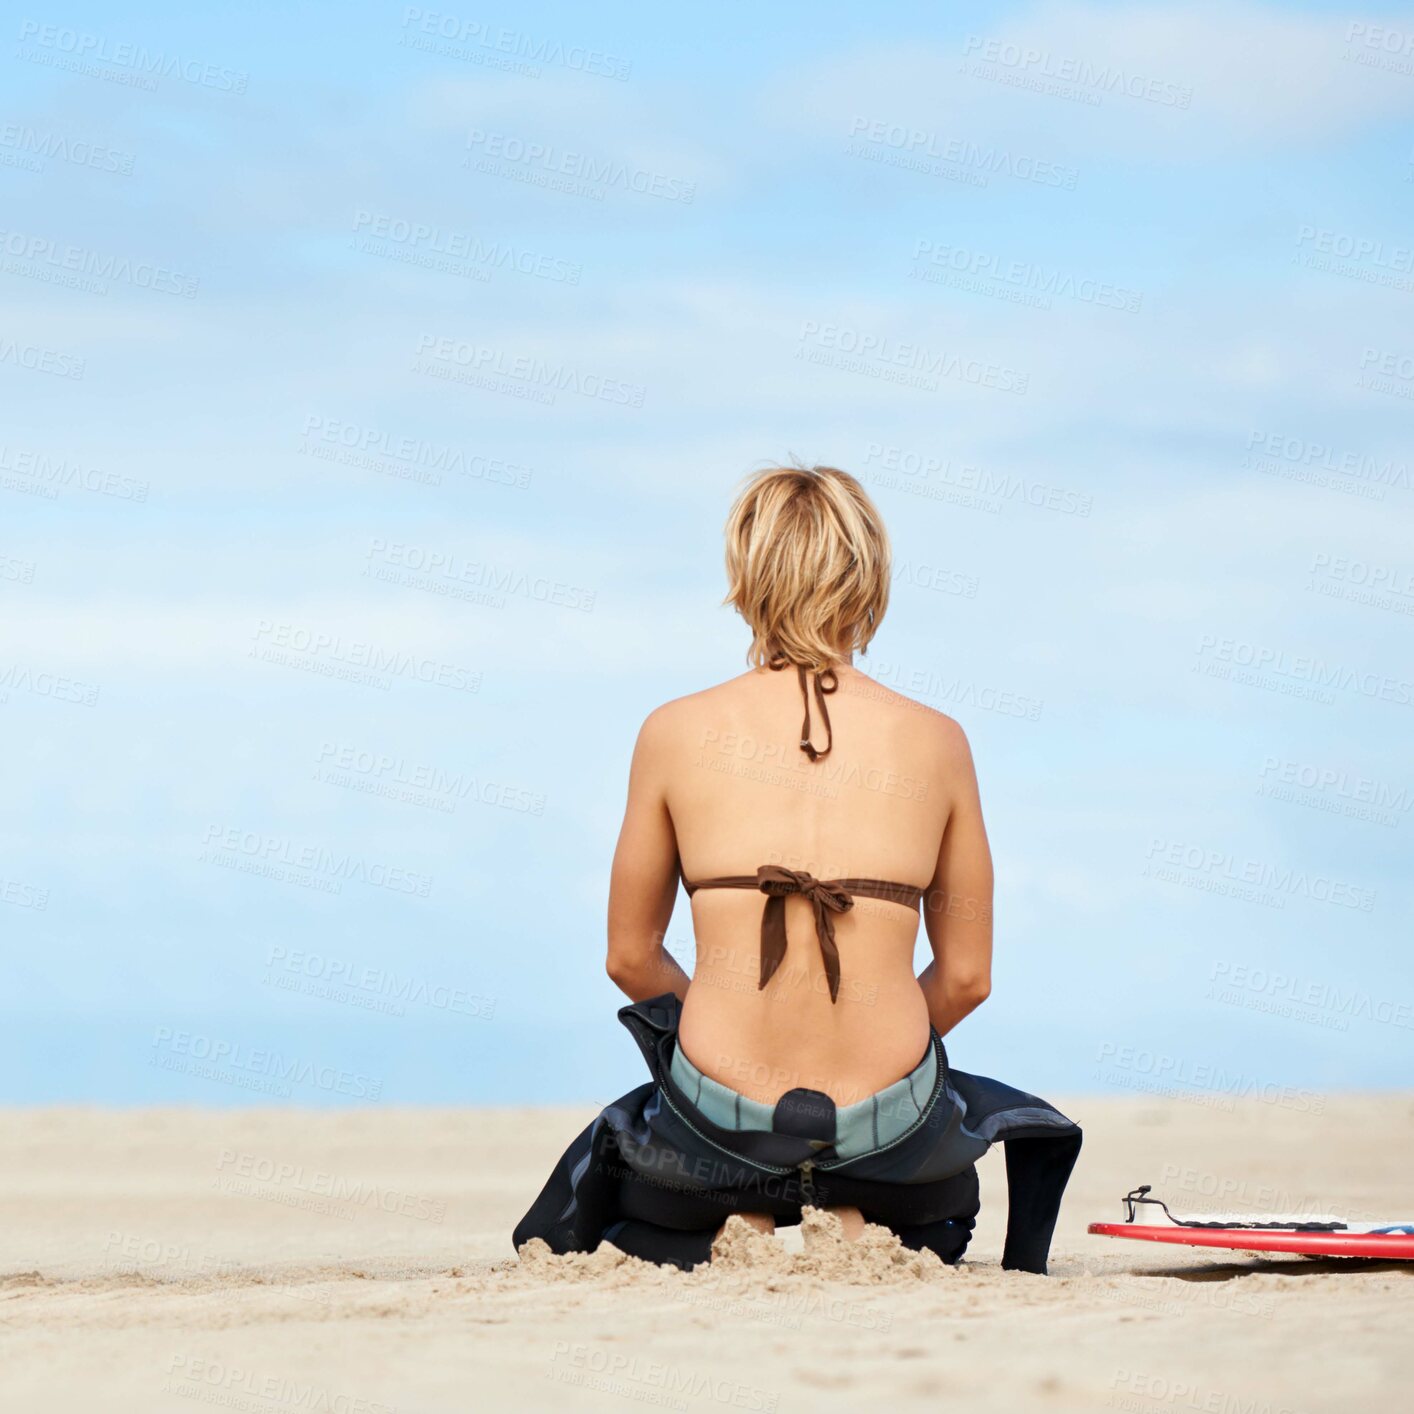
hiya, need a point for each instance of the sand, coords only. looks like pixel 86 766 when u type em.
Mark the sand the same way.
pixel 359 1262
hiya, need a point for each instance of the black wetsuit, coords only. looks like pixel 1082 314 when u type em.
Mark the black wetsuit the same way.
pixel 655 1177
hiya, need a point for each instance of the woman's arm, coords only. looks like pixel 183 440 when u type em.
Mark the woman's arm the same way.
pixel 644 880
pixel 957 909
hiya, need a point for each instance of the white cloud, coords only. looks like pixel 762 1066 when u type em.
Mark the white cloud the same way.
pixel 655 128
pixel 1260 79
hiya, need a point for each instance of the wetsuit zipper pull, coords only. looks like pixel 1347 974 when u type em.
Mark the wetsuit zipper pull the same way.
pixel 807 1182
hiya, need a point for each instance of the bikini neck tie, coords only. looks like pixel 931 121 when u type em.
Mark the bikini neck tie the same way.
pixel 826 899
pixel 825 682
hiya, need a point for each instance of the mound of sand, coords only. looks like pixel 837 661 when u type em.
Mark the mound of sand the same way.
pixel 876 1258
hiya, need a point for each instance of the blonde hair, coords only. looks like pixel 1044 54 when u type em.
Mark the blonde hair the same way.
pixel 807 565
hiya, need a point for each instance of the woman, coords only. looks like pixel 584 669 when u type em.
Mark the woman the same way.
pixel 803 1063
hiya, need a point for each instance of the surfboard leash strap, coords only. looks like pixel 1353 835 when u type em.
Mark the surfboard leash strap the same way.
pixel 1139 1195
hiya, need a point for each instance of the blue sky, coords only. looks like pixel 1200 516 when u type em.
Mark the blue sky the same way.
pixel 375 383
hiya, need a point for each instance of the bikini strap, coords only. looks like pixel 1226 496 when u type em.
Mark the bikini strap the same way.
pixel 826 897
pixel 821 689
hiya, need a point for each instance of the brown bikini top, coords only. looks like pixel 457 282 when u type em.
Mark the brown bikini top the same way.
pixel 779 662
pixel 827 896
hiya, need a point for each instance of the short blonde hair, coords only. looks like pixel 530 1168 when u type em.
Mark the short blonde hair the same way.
pixel 807 565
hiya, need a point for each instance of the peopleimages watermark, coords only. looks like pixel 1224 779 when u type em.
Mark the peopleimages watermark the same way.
pixel 312 866
pixel 518 375
pixel 967 907
pixel 954 159
pixel 1367 259
pixel 403 456
pixel 1297 998
pixel 83 52
pixel 53 262
pixel 235 1387
pixel 763 762
pixel 1198 1081
pixel 355 660
pixel 57 363
pixel 933 689
pixel 1242 1194
pixel 182 1266
pixel 338 979
pixel 389 777
pixel 1179 1298
pixel 495 46
pixel 1362 582
pixel 786 756
pixel 446 573
pixel 1380 47
pixel 40 474
pixel 335 1188
pixel 1015 281
pixel 1029 66
pixel 16 570
pixel 31 148
pixel 897 361
pixel 1335 791
pixel 1294 458
pixel 1294 674
pixel 739 1073
pixel 666 1167
pixel 787 1310
pixel 726 969
pixel 1383 371
pixel 1219 871
pixel 453 252
pixel 644 1380
pixel 1129 1387
pixel 38 682
pixel 960 483
pixel 544 165
pixel 940 579
pixel 19 894
pixel 254 1067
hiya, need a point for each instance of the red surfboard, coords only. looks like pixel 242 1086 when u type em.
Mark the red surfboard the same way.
pixel 1393 1245
pixel 1299 1237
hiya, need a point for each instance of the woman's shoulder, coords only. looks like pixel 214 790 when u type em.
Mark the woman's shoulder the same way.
pixel 669 722
pixel 708 707
pixel 917 718
pixel 691 707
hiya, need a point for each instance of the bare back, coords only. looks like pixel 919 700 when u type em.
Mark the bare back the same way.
pixel 736 791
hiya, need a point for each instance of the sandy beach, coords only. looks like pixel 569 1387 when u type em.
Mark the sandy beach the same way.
pixel 359 1262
